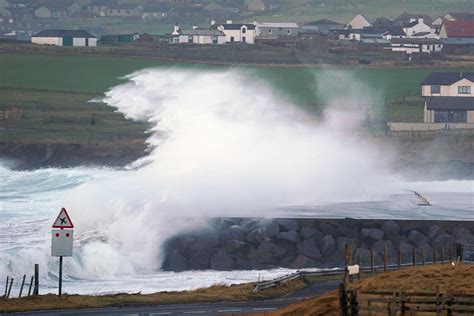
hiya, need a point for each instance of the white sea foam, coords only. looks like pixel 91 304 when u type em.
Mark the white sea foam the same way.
pixel 223 144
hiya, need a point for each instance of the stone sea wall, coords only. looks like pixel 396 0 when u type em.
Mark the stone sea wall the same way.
pixel 235 243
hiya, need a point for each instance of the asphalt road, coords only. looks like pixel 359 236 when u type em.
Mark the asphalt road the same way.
pixel 220 308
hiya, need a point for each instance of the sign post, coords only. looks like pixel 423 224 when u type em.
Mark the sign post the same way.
pixel 61 241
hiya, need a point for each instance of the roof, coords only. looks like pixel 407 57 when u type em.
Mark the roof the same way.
pixel 459 28
pixel 64 33
pixel 461 16
pixel 450 103
pixel 238 26
pixel 324 22
pixel 102 3
pixel 421 34
pixel 415 41
pixel 458 41
pixel 405 16
pixel 278 24
pixel 447 78
pixel 201 32
pixel 124 6
pixel 411 24
pixel 379 41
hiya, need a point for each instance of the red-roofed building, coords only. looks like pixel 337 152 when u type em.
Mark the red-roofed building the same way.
pixel 457 29
pixel 457 36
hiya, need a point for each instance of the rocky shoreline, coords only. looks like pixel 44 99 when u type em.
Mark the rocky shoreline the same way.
pixel 248 244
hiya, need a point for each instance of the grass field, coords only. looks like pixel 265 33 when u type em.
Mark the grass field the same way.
pixel 344 11
pixel 63 116
pixel 53 90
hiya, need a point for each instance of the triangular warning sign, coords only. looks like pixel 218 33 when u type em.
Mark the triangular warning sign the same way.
pixel 63 220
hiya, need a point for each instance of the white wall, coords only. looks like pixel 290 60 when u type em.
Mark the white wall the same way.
pixel 449 91
pixel 47 40
pixel 202 39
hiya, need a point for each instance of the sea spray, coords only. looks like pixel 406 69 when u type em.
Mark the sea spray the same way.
pixel 223 144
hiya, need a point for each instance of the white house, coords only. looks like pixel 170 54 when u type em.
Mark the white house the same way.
pixel 64 38
pixel 358 22
pixel 416 45
pixel 449 97
pixel 417 28
pixel 277 29
pixel 198 36
pixel 238 32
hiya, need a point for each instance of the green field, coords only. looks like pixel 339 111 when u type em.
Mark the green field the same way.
pixel 53 91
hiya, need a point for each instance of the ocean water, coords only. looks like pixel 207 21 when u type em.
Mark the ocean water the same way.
pixel 219 147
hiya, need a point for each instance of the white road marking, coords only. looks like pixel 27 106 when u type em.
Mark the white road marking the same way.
pixel 229 310
pixel 264 308
pixel 195 312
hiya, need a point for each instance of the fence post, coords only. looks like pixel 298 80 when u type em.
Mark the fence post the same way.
pixel 442 255
pixel 399 257
pixel 10 287
pixel 414 255
pixel 22 284
pixel 36 288
pixel 385 258
pixel 423 258
pixel 359 263
pixel 451 253
pixel 6 286
pixel 347 263
pixel 354 304
pixel 343 300
pixel 31 284
pixel 372 262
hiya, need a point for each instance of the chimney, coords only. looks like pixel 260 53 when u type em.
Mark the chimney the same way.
pixel 175 30
pixel 194 26
pixel 412 20
pixel 420 20
pixel 213 22
pixel 228 22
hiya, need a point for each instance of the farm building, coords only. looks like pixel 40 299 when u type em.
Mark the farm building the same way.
pixel 242 33
pixel 64 38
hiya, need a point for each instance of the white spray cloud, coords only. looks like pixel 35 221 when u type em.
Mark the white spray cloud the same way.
pixel 224 144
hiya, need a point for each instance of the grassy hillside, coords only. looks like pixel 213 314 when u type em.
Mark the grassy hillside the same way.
pixel 342 11
pixel 459 279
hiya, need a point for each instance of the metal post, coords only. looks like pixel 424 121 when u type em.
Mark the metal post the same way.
pixel 399 257
pixel 36 288
pixel 60 274
pixel 372 262
pixel 423 259
pixel 10 287
pixel 31 285
pixel 22 284
pixel 6 286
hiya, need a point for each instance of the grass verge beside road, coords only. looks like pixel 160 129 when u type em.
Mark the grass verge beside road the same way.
pixel 217 293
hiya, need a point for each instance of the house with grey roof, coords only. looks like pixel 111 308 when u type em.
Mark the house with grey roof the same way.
pixel 64 38
pixel 277 29
pixel 196 36
pixel 449 97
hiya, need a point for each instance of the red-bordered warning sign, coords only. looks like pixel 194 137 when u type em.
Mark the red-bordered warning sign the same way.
pixel 63 220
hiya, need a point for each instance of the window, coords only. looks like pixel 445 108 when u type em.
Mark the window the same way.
pixel 190 39
pixel 464 90
pixel 244 30
pixel 436 89
pixel 244 39
pixel 279 29
pixel 289 31
pixel 450 116
pixel 270 31
pixel 214 40
pixel 232 39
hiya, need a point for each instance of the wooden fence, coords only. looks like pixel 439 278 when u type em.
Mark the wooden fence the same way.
pixel 33 286
pixel 374 303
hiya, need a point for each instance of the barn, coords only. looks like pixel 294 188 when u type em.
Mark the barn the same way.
pixel 64 38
